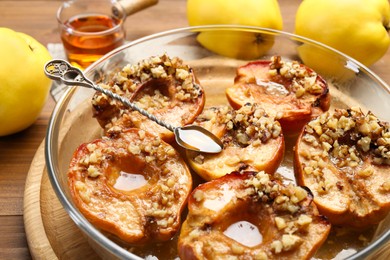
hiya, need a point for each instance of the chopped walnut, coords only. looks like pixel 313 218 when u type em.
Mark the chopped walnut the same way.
pixel 153 150
pixel 248 124
pixel 303 80
pixel 366 132
pixel 93 171
pixel 124 81
pixel 386 186
pixel 285 199
pixel 344 138
pixel 155 84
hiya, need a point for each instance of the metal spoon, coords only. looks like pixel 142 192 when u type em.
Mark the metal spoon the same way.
pixel 190 137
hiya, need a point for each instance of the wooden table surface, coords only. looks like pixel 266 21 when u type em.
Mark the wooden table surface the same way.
pixel 37 18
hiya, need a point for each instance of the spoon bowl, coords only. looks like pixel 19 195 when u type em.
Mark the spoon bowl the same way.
pixel 204 141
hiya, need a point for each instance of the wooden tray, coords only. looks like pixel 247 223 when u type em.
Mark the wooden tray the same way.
pixel 51 233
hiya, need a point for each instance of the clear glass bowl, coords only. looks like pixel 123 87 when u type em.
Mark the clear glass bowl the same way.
pixel 72 123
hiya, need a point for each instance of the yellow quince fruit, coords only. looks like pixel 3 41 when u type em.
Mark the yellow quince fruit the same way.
pixel 358 28
pixel 247 44
pixel 23 84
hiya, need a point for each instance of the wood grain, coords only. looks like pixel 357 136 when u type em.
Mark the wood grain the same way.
pixel 50 231
pixel 38 242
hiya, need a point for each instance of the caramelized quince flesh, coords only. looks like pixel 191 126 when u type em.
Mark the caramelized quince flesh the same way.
pixel 250 215
pixel 251 139
pixel 163 86
pixel 289 91
pixel 133 186
pixel 343 157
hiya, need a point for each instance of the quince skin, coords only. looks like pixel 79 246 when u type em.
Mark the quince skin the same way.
pixel 23 84
pixel 235 44
pixel 358 28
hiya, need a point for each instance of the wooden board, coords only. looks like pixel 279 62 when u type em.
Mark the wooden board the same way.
pixel 51 233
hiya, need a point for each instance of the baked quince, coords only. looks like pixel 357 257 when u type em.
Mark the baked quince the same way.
pixel 251 215
pixel 287 90
pixel 134 186
pixel 344 158
pixel 252 141
pixel 163 86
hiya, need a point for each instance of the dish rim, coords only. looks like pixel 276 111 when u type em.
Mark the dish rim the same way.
pixel 59 110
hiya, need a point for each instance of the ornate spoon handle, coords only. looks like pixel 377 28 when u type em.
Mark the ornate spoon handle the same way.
pixel 61 70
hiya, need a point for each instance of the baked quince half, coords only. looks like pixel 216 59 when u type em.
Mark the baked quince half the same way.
pixel 163 86
pixel 287 90
pixel 252 141
pixel 134 186
pixel 344 158
pixel 251 215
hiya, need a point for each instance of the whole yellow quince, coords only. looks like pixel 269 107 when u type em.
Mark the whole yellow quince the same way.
pixel 358 28
pixel 235 44
pixel 23 85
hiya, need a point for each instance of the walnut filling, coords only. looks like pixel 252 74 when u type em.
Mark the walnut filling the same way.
pixel 286 200
pixel 303 80
pixel 159 84
pixel 152 151
pixel 131 77
pixel 347 137
pixel 103 157
pixel 249 125
pixel 164 67
pixel 286 210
